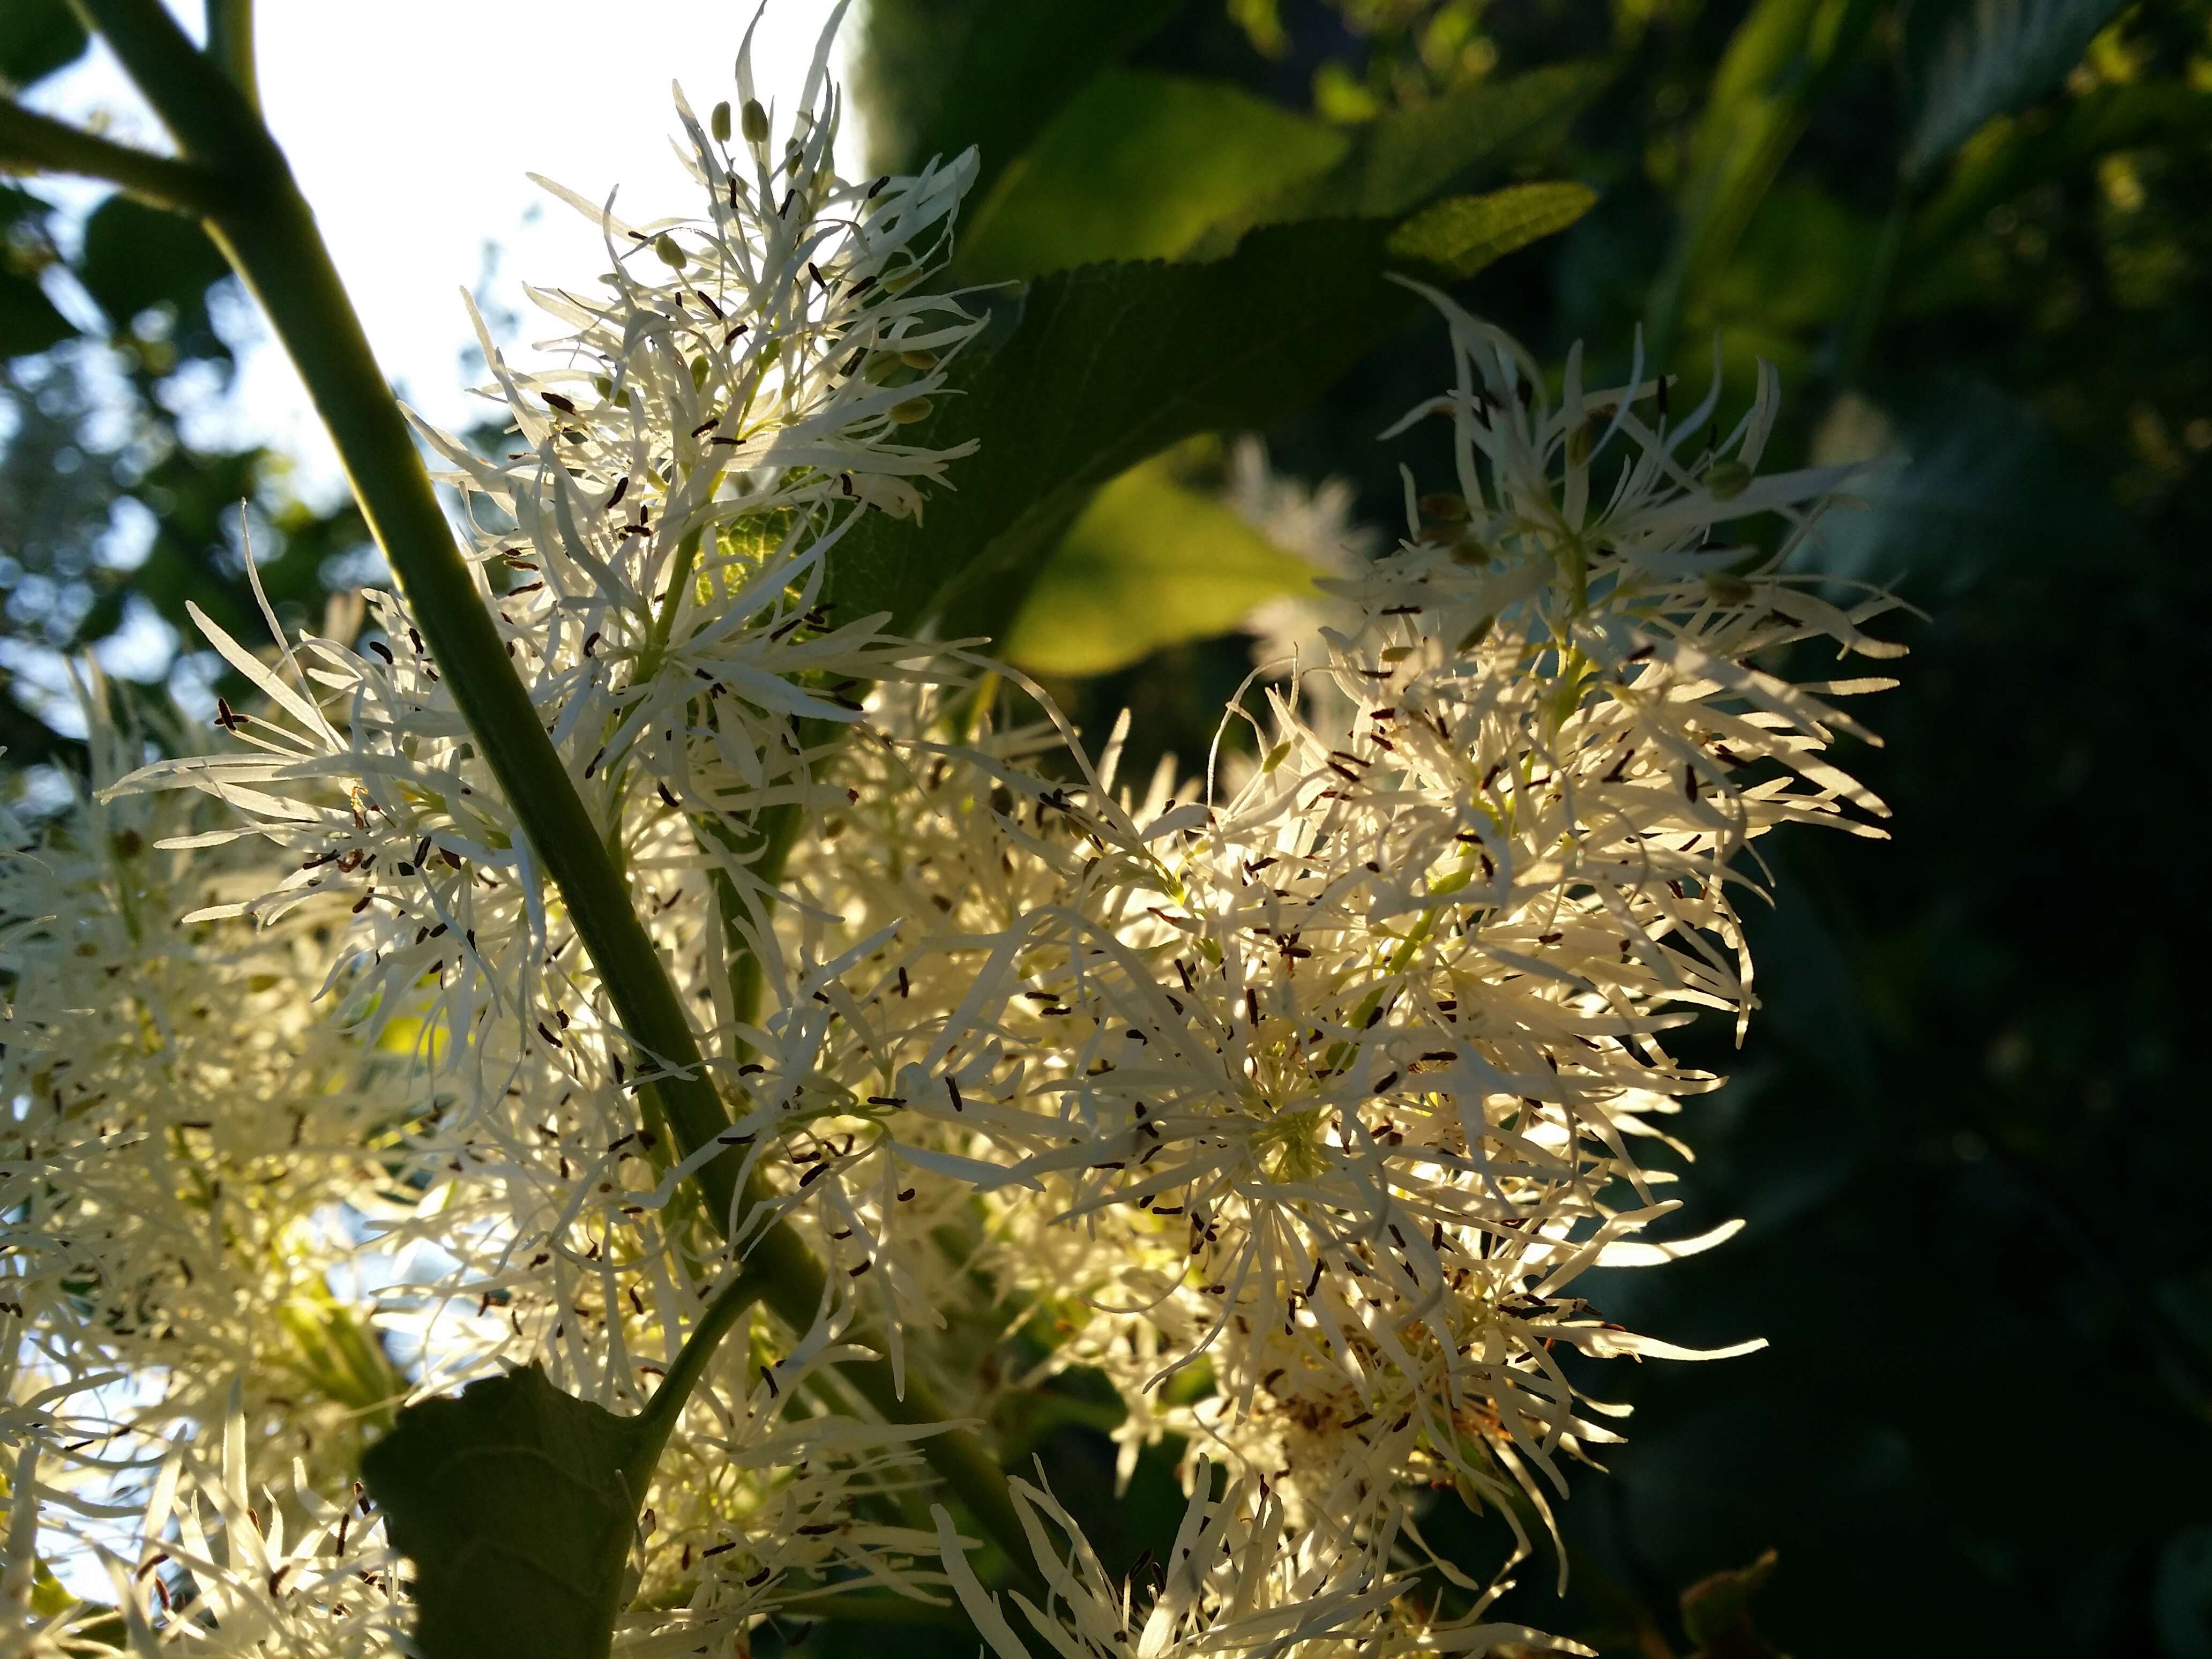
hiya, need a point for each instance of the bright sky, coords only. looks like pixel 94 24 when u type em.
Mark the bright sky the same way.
pixel 411 124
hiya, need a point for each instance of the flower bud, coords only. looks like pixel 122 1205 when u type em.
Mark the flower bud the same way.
pixel 670 255
pixel 1727 479
pixel 756 121
pixel 913 410
pixel 722 119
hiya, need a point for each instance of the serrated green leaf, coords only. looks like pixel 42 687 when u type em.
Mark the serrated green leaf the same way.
pixel 993 77
pixel 1996 61
pixel 1459 236
pixel 1404 157
pixel 1105 366
pixel 1139 166
pixel 517 1504
pixel 1149 564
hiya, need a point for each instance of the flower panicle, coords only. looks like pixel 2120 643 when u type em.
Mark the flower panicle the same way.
pixel 1298 1098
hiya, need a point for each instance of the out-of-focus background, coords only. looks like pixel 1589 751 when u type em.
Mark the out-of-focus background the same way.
pixel 1976 235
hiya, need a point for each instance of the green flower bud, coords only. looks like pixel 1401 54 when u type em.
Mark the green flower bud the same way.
pixel 1727 479
pixel 913 410
pixel 756 121
pixel 670 255
pixel 722 122
pixel 918 359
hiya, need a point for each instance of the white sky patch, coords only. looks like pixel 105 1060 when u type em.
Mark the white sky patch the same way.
pixel 411 126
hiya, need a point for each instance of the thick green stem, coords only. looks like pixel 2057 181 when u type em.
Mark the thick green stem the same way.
pixel 1873 292
pixel 269 232
pixel 32 144
pixel 230 43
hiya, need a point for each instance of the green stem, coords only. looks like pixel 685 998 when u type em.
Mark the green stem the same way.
pixel 230 43
pixel 664 621
pixel 658 1421
pixel 33 143
pixel 873 1608
pixel 269 233
pixel 767 841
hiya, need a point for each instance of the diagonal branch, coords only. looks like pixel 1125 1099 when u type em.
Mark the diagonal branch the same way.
pixel 31 142
pixel 230 43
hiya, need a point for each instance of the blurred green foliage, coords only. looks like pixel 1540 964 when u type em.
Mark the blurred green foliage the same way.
pixel 110 518
pixel 1973 234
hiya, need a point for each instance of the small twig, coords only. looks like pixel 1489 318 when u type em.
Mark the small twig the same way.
pixel 31 142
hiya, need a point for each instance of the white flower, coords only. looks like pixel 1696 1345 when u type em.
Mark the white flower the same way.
pixel 1341 1067
pixel 1296 1097
pixel 1239 1579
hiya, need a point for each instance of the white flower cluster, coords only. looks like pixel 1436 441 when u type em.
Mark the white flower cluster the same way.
pixel 1294 1098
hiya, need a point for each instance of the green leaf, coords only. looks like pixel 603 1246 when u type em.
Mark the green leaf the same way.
pixel 1996 61
pixel 1712 1607
pixel 1107 365
pixel 1149 564
pixel 1469 136
pixel 1459 236
pixel 38 37
pixel 996 85
pixel 518 1505
pixel 29 321
pixel 2041 145
pixel 136 256
pixel 1138 167
pixel 1782 57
